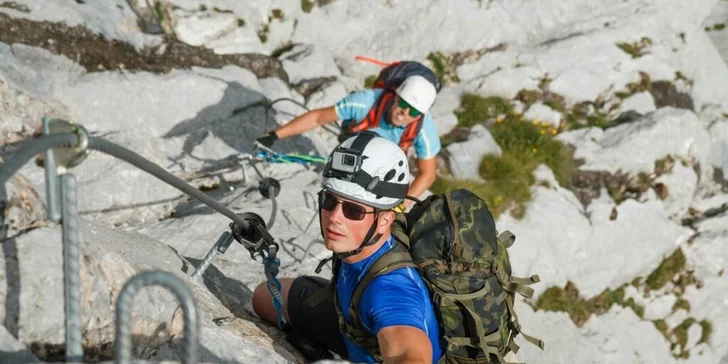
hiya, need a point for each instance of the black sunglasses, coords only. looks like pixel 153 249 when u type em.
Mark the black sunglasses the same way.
pixel 352 211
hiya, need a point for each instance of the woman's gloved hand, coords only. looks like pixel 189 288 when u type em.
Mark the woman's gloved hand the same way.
pixel 267 139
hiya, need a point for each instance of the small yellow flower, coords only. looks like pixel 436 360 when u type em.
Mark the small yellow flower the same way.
pixel 554 131
pixel 534 150
pixel 543 131
pixel 535 122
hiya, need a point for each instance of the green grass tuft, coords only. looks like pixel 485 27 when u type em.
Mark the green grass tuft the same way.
pixel 475 109
pixel 636 49
pixel 508 178
pixel 306 6
pixel 567 300
pixel 369 81
pixel 667 269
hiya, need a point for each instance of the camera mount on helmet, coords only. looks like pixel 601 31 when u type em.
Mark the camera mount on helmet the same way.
pixel 346 162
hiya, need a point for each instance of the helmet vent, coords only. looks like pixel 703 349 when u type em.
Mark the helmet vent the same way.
pixel 390 175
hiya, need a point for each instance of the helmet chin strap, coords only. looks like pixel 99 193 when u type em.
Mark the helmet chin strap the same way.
pixel 369 239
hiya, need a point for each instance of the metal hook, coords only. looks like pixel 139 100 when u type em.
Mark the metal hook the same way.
pixel 123 344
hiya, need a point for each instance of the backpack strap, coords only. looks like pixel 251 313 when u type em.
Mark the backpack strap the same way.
pixel 410 134
pixel 507 238
pixel 325 292
pixel 515 285
pixel 516 327
pixel 371 120
pixel 397 257
pixel 486 343
pixel 519 285
pixel 374 116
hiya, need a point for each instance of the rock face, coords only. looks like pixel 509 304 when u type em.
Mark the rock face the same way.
pixel 305 62
pixel 14 351
pixel 560 240
pixel 25 209
pixel 544 114
pixel 635 147
pixel 32 307
pixel 21 112
pixel 465 156
pixel 95 53
pixel 641 102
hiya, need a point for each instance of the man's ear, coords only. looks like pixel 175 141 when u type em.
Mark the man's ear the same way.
pixel 386 218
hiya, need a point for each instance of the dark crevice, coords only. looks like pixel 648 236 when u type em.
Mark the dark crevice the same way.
pixel 707 214
pixel 95 53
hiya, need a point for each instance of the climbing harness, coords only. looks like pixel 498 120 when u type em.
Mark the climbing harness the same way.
pixel 65 145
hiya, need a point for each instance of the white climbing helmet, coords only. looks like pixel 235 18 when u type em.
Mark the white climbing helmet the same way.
pixel 368 169
pixel 418 92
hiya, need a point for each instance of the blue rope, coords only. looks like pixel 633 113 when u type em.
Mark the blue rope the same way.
pixel 288 158
pixel 271 264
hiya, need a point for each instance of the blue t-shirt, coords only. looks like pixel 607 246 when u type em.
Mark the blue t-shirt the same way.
pixel 355 107
pixel 399 297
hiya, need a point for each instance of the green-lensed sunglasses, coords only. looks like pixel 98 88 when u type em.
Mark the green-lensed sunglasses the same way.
pixel 412 111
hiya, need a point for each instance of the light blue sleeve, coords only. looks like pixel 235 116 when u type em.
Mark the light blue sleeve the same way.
pixel 356 105
pixel 427 144
pixel 396 298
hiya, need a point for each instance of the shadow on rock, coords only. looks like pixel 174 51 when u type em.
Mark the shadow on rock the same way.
pixel 236 296
pixel 238 119
pixel 12 279
pixel 169 349
pixel 195 207
pixel 18 357
pixel 232 293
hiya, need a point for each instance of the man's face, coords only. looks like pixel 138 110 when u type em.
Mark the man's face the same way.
pixel 345 223
pixel 401 113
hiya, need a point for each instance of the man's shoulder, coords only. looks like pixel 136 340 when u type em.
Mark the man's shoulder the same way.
pixel 404 277
pixel 403 288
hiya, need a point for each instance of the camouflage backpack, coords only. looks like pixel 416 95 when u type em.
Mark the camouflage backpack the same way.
pixel 452 240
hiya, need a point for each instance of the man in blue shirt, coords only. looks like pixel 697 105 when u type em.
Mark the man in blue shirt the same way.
pixel 402 119
pixel 365 177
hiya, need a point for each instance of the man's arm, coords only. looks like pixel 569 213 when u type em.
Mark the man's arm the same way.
pixel 423 181
pixel 307 121
pixel 404 344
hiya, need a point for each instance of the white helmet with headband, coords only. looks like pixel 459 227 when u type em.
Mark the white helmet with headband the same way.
pixel 368 169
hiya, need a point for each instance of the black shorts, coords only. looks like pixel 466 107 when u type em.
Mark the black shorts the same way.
pixel 319 323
